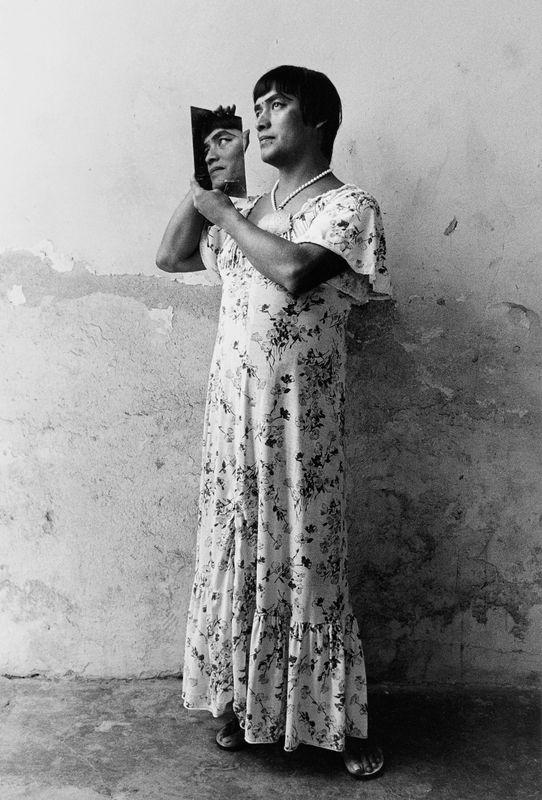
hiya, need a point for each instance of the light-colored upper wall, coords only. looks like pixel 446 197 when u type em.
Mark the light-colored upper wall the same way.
pixel 442 119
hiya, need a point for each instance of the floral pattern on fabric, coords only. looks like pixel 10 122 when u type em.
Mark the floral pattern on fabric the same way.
pixel 351 226
pixel 270 623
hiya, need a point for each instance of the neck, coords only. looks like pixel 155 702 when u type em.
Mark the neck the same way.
pixel 292 176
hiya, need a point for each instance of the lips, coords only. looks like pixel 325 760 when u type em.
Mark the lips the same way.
pixel 216 169
pixel 264 139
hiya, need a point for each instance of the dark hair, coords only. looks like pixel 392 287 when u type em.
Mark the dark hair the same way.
pixel 212 120
pixel 318 98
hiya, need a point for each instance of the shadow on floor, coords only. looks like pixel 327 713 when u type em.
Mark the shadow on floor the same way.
pixel 131 740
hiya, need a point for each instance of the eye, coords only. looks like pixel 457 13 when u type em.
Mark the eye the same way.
pixel 278 104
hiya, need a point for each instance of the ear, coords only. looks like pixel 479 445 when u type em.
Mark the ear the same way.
pixel 246 137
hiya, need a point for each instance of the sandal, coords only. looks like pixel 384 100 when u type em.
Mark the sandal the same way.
pixel 231 736
pixel 354 766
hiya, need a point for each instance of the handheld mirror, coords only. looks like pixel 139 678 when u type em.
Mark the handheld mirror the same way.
pixel 219 150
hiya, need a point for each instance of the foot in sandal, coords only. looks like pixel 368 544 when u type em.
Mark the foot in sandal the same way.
pixel 231 736
pixel 363 759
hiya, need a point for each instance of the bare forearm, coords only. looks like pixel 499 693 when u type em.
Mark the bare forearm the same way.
pixel 296 267
pixel 178 248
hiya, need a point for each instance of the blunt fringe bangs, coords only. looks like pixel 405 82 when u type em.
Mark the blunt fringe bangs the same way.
pixel 213 120
pixel 318 98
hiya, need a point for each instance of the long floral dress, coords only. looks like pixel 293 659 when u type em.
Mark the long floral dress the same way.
pixel 270 624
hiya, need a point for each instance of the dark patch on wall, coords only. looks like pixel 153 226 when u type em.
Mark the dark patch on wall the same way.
pixel 450 228
pixel 39 280
pixel 434 507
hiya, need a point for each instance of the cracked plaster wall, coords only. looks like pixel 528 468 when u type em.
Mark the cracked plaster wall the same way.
pixel 103 381
pixel 102 400
pixel 104 363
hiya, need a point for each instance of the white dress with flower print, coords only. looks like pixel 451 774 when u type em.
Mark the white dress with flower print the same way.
pixel 270 624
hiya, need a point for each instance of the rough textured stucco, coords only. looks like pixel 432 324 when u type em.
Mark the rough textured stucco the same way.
pixel 103 382
pixel 102 402
pixel 103 371
pixel 446 501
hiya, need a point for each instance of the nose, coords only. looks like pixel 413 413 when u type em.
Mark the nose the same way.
pixel 211 155
pixel 263 121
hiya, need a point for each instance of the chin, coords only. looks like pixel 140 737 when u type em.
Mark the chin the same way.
pixel 219 183
pixel 267 157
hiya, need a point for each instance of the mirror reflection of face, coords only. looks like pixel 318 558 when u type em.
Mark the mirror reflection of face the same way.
pixel 224 157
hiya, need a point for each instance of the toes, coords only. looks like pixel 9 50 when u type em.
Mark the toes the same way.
pixel 230 736
pixel 365 763
pixel 370 762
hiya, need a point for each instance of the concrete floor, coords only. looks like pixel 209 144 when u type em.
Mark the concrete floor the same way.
pixel 131 740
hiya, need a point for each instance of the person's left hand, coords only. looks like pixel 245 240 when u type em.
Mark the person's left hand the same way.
pixel 213 204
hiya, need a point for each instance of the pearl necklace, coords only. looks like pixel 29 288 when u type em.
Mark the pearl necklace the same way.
pixel 296 191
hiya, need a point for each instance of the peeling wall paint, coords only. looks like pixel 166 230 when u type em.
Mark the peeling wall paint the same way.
pixel 102 396
pixel 100 469
pixel 103 362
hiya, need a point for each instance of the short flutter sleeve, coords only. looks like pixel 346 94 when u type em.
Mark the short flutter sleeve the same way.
pixel 348 222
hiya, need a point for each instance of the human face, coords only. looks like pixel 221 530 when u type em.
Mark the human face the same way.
pixel 224 157
pixel 282 133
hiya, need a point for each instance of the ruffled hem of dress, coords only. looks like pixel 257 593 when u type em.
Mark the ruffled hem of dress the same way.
pixel 278 738
pixel 301 680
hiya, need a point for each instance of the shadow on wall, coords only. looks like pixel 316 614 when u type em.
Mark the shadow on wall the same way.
pixel 445 503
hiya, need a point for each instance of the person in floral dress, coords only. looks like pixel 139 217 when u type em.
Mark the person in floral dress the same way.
pixel 271 631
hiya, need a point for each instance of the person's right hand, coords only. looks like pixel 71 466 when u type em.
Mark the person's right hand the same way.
pixel 212 204
pixel 226 111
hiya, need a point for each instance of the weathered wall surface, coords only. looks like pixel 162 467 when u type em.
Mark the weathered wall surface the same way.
pixel 103 386
pixel 102 391
pixel 446 501
pixel 104 362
